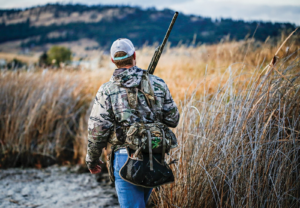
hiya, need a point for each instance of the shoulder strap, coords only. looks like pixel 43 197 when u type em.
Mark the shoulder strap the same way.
pixel 132 97
pixel 146 86
pixel 146 89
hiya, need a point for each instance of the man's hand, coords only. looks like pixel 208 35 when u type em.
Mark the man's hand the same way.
pixel 97 169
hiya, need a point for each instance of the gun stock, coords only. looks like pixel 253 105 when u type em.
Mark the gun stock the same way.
pixel 159 49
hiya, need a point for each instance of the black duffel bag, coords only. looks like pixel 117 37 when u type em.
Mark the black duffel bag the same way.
pixel 137 170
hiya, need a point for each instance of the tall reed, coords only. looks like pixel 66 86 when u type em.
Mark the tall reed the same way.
pixel 240 146
pixel 42 117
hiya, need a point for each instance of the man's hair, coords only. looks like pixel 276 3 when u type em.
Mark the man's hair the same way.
pixel 123 62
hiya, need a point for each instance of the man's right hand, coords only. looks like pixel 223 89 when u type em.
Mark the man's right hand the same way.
pixel 96 169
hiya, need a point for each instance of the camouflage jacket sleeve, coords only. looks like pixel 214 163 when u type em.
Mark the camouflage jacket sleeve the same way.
pixel 100 126
pixel 170 110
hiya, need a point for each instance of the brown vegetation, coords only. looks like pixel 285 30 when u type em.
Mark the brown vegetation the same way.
pixel 238 133
pixel 23 58
pixel 240 146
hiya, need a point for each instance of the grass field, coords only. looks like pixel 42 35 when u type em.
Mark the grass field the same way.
pixel 23 58
pixel 238 132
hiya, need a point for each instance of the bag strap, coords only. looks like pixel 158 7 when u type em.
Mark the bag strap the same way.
pixel 164 147
pixel 132 97
pixel 150 147
pixel 146 89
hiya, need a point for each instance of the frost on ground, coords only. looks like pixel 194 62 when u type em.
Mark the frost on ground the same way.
pixel 54 187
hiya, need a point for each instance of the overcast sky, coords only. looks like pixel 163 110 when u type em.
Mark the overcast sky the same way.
pixel 267 10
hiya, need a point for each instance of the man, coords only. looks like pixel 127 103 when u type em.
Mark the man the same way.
pixel 112 115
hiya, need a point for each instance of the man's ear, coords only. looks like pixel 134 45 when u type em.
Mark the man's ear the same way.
pixel 112 60
pixel 134 56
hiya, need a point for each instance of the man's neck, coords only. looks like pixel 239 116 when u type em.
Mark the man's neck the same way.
pixel 127 67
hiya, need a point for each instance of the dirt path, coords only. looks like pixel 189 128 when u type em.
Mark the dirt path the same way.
pixel 54 187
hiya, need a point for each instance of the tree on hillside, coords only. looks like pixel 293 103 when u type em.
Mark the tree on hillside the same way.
pixel 59 54
pixel 43 59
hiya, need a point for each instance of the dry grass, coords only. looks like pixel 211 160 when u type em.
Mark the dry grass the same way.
pixel 238 133
pixel 43 117
pixel 26 59
pixel 240 145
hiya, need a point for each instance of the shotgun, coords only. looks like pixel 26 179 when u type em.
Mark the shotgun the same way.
pixel 159 49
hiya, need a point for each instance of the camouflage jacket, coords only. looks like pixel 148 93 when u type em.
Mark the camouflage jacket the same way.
pixel 112 113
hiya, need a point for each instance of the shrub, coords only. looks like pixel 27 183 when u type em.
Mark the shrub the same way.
pixel 43 59
pixel 59 54
pixel 16 64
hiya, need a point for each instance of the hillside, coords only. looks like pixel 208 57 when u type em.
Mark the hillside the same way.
pixel 56 23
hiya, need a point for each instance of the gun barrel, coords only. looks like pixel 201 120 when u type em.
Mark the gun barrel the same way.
pixel 169 30
pixel 160 49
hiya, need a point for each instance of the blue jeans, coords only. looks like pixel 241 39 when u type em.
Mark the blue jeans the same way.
pixel 129 195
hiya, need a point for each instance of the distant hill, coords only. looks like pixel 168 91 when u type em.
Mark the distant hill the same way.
pixel 54 23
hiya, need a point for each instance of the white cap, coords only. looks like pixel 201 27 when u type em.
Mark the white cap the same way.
pixel 122 44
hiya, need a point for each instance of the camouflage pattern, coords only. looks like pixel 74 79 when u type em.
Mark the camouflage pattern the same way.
pixel 114 112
